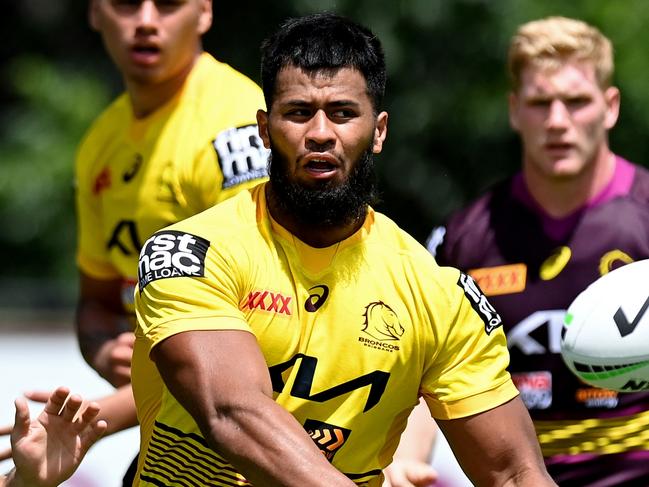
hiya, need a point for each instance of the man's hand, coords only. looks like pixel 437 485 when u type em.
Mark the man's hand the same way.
pixel 6 453
pixel 47 450
pixel 113 360
pixel 117 409
pixel 409 473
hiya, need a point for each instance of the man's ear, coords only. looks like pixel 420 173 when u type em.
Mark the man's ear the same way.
pixel 513 102
pixel 205 19
pixel 612 97
pixel 380 132
pixel 262 124
pixel 93 14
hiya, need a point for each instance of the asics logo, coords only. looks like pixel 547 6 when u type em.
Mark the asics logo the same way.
pixel 317 298
pixel 132 171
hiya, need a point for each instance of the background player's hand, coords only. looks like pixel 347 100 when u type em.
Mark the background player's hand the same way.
pixel 113 360
pixel 6 453
pixel 48 449
pixel 44 396
pixel 409 473
pixel 36 396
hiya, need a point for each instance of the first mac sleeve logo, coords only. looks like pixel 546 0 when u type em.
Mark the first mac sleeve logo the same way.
pixel 172 254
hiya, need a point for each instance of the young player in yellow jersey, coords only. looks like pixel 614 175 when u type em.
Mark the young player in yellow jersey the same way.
pixel 285 335
pixel 180 139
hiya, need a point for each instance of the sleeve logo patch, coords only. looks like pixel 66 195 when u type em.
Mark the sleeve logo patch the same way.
pixel 479 303
pixel 172 254
pixel 504 279
pixel 242 155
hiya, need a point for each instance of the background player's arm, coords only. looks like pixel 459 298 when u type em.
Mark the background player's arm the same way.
pixel 104 331
pixel 118 410
pixel 222 379
pixel 498 446
pixel 410 466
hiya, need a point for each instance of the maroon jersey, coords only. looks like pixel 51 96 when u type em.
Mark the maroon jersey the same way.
pixel 532 267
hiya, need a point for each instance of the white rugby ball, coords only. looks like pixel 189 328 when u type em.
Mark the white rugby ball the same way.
pixel 605 337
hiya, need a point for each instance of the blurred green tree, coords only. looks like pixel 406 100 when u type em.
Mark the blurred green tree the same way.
pixel 39 135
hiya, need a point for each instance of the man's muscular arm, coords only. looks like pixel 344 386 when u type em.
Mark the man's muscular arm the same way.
pixel 104 331
pixel 498 446
pixel 222 380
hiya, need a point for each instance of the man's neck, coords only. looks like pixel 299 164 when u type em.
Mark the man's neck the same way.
pixel 317 236
pixel 146 98
pixel 560 197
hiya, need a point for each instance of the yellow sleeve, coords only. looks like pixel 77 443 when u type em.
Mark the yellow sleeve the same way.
pixel 92 256
pixel 468 374
pixel 175 292
pixel 231 156
pixel 235 160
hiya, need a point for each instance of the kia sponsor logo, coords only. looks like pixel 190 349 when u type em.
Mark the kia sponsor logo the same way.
pixel 172 254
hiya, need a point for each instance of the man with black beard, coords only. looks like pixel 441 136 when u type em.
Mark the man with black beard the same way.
pixel 326 203
pixel 285 335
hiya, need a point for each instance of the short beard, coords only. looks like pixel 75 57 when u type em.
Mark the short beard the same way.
pixel 330 204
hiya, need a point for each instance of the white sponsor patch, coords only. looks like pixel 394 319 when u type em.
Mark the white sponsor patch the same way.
pixel 242 155
pixel 172 254
pixel 479 303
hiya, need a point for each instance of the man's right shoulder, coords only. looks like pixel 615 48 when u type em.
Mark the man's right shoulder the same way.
pixel 232 219
pixel 223 84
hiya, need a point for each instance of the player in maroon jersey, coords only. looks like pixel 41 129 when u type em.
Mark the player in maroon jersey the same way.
pixel 573 213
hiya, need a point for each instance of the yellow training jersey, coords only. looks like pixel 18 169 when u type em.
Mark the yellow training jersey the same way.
pixel 136 176
pixel 352 334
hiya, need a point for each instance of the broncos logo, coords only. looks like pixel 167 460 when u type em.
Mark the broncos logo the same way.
pixel 381 322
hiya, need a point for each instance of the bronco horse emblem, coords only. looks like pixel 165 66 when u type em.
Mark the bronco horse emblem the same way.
pixel 381 322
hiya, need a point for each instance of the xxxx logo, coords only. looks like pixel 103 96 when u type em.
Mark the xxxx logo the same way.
pixel 328 437
pixel 268 301
pixel 102 182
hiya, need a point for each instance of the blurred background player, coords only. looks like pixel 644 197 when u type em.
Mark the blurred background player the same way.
pixel 536 240
pixel 181 138
pixel 48 449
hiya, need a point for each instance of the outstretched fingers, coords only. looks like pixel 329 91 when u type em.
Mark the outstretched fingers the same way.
pixel 21 419
pixel 89 429
pixel 5 454
pixel 56 401
pixel 71 408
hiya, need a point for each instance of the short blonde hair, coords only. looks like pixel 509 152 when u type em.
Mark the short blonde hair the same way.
pixel 551 41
